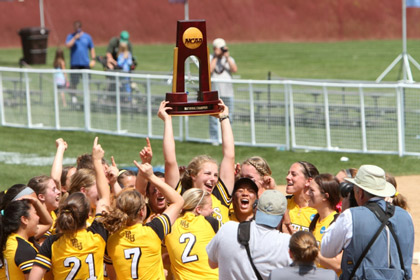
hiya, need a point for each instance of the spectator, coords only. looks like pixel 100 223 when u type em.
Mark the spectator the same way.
pixel 113 48
pixel 80 43
pixel 125 60
pixel 60 77
pixel 303 250
pixel 267 246
pixel 245 194
pixel 222 65
pixel 357 226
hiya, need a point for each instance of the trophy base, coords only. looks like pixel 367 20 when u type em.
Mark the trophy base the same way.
pixel 206 104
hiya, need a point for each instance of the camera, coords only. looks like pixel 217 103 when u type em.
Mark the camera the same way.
pixel 345 189
pixel 224 49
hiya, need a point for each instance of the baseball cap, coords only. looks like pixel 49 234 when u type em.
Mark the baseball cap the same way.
pixel 371 178
pixel 124 36
pixel 219 43
pixel 245 181
pixel 270 209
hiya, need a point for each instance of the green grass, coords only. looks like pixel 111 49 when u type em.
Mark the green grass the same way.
pixel 125 150
pixel 356 60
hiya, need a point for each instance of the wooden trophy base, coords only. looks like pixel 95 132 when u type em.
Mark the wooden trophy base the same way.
pixel 206 104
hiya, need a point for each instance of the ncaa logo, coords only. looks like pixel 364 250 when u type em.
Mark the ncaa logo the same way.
pixel 192 38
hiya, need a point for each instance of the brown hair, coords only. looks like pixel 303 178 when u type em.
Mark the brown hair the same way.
pixel 86 161
pixel 193 168
pixel 259 164
pixel 83 178
pixel 73 213
pixel 308 169
pixel 303 247
pixel 128 205
pixel 59 55
pixel 398 199
pixel 39 183
pixel 329 184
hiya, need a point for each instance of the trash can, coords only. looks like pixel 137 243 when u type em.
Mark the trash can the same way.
pixel 34 44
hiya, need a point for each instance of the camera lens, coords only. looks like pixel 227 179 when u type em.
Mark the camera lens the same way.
pixel 345 188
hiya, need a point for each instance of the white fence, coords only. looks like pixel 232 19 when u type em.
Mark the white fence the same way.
pixel 330 116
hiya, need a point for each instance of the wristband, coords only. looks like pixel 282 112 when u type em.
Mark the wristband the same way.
pixel 223 118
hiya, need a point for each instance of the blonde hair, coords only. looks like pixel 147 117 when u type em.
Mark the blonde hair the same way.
pixel 259 164
pixel 193 168
pixel 194 198
pixel 128 205
pixel 303 247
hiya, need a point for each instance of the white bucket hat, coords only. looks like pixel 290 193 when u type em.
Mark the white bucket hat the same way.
pixel 371 179
pixel 219 43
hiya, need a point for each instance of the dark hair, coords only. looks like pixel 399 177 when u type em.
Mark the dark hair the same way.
pixel 64 173
pixel 10 194
pixel 86 161
pixel 303 247
pixel 329 184
pixel 73 213
pixel 77 24
pixel 157 174
pixel 39 183
pixel 11 220
pixel 308 169
pixel 398 199
pixel 59 54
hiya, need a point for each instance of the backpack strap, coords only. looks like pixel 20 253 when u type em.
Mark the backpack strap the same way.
pixel 315 220
pixel 244 230
pixel 383 217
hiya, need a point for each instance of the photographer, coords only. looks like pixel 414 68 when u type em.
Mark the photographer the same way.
pixel 222 65
pixel 346 189
pixel 377 237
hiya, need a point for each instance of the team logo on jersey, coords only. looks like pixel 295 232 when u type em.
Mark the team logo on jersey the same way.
pixel 185 224
pixel 322 230
pixel 312 217
pixel 76 244
pixel 129 236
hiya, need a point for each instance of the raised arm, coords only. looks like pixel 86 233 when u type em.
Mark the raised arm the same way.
pixel 171 166
pixel 173 197
pixel 45 219
pixel 112 177
pixel 57 167
pixel 146 155
pixel 101 181
pixel 227 166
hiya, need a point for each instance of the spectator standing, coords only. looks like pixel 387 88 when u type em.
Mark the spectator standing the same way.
pixel 222 65
pixel 114 46
pixel 357 226
pixel 80 43
pixel 60 77
pixel 303 250
pixel 268 247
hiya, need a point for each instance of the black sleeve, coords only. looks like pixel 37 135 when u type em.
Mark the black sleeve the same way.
pixel 214 223
pixel 161 225
pixel 24 255
pixel 97 227
pixel 221 193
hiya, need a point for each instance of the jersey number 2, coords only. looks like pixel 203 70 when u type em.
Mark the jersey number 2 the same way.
pixel 76 267
pixel 186 258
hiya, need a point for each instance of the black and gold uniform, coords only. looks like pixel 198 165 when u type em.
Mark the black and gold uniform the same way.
pixel 19 256
pixel 300 218
pixel 135 251
pixel 75 256
pixel 220 198
pixel 187 247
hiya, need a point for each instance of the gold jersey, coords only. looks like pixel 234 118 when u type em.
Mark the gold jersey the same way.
pixel 19 257
pixel 300 218
pixel 75 256
pixel 221 200
pixel 187 247
pixel 135 250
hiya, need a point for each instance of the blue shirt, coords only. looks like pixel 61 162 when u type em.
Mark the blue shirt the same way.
pixel 79 52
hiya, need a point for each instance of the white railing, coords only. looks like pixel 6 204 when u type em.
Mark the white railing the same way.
pixel 353 116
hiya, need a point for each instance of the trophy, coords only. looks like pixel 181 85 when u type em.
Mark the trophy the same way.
pixel 192 40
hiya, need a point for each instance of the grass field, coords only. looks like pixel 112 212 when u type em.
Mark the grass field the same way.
pixel 357 60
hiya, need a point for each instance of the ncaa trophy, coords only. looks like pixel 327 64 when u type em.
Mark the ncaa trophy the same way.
pixel 192 40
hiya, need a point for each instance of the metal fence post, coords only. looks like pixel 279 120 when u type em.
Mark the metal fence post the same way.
pixel 400 120
pixel 118 102
pixel 292 117
pixel 86 100
pixel 28 100
pixel 2 114
pixel 149 106
pixel 327 118
pixel 252 113
pixel 363 118
pixel 286 115
pixel 56 110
